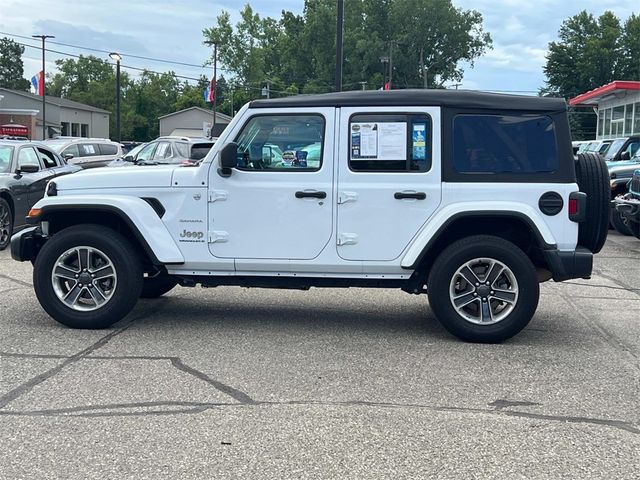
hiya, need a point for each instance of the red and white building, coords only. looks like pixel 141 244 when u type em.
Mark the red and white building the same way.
pixel 618 107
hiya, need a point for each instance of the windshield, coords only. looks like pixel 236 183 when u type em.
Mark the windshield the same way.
pixel 56 147
pixel 615 146
pixel 6 153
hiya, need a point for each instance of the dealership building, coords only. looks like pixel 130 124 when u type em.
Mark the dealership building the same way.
pixel 617 105
pixel 64 117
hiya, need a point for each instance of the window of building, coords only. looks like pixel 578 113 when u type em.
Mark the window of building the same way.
pixel 607 122
pixel 628 119
pixel 84 130
pixel 600 123
pixel 636 118
pixel 504 144
pixel 75 129
pixel 66 129
pixel 390 143
pixel 281 142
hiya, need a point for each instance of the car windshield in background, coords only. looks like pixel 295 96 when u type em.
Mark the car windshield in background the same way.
pixel 614 147
pixel 6 154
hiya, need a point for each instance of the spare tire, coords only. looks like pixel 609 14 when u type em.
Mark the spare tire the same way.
pixel 592 177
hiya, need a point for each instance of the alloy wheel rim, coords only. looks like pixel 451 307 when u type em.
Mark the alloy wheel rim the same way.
pixel 84 278
pixel 5 225
pixel 483 291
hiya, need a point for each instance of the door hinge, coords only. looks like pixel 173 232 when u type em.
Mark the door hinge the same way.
pixel 215 195
pixel 345 197
pixel 347 239
pixel 218 237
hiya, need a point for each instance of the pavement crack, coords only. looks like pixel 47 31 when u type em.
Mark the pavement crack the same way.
pixel 234 393
pixel 15 280
pixel 30 384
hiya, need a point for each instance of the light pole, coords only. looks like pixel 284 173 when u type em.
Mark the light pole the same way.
pixel 339 33
pixel 116 56
pixel 385 61
pixel 44 92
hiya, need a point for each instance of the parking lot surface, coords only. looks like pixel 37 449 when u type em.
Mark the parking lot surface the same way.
pixel 353 383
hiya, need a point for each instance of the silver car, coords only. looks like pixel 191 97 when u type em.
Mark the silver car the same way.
pixel 86 152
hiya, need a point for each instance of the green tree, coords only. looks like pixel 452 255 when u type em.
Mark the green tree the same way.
pixel 296 53
pixel 11 66
pixel 589 53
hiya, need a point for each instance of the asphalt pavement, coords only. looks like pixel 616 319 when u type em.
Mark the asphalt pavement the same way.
pixel 353 383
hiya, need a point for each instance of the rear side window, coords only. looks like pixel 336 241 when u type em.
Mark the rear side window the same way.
pixel 390 143
pixel 108 149
pixel 88 150
pixel 504 144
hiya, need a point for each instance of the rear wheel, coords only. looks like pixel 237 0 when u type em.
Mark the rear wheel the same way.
pixel 6 224
pixel 592 177
pixel 483 289
pixel 87 276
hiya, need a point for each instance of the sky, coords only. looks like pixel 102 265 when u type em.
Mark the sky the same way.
pixel 170 30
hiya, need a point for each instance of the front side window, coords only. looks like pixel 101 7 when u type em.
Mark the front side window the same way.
pixel 282 143
pixel 163 152
pixel 390 143
pixel 71 150
pixel 146 153
pixel 28 156
pixel 504 144
pixel 6 154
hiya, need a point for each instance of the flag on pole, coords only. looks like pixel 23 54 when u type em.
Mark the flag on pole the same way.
pixel 209 93
pixel 37 82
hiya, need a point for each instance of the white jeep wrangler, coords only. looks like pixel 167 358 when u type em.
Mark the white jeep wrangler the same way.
pixel 472 198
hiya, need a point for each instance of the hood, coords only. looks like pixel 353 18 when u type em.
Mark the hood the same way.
pixel 623 165
pixel 133 177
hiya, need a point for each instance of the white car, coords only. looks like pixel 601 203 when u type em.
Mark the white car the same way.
pixel 472 198
pixel 86 152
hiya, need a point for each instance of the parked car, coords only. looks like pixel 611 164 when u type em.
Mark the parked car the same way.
pixel 597 146
pixel 628 205
pixel 86 152
pixel 168 150
pixel 622 149
pixel 121 162
pixel 472 198
pixel 620 173
pixel 577 145
pixel 25 169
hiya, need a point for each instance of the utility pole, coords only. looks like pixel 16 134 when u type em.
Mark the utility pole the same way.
pixel 116 56
pixel 423 70
pixel 215 86
pixel 390 64
pixel 44 92
pixel 339 31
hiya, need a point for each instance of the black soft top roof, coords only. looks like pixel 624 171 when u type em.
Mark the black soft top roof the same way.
pixel 436 98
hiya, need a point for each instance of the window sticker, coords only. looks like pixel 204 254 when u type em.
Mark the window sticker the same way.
pixel 419 141
pixel 379 141
pixel 89 149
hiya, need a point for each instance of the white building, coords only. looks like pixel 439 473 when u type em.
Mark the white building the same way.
pixel 64 117
pixel 192 122
pixel 618 107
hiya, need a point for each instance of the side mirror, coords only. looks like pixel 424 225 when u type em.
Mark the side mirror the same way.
pixel 267 154
pixel 68 156
pixel 229 155
pixel 27 169
pixel 128 158
pixel 625 156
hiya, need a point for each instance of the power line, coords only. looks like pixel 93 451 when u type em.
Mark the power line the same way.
pixel 141 57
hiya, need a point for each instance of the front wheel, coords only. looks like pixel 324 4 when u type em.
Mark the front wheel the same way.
pixel 483 289
pixel 87 276
pixel 6 224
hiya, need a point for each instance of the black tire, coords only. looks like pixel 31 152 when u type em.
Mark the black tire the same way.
pixel 482 247
pixel 6 224
pixel 154 287
pixel 126 265
pixel 592 177
pixel 618 223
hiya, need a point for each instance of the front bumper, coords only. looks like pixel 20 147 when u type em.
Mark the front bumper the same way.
pixel 565 265
pixel 629 207
pixel 26 244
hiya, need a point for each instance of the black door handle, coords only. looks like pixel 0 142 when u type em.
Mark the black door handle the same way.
pixel 414 195
pixel 311 194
